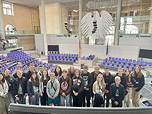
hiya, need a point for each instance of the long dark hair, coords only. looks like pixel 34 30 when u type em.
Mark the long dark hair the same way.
pixel 3 80
pixel 47 77
pixel 36 81
pixel 56 73
pixel 71 74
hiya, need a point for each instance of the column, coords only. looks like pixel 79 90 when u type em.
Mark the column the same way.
pixel 43 26
pixel 118 18
pixel 80 17
pixel 2 32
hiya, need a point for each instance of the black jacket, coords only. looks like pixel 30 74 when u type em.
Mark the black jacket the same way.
pixel 138 82
pixel 30 88
pixel 16 83
pixel 87 79
pixel 117 93
pixel 10 81
pixel 123 80
pixel 77 84
pixel 108 80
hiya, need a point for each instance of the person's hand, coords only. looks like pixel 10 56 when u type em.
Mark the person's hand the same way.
pixel 116 102
pixel 2 94
pixel 63 94
pixel 106 91
pixel 17 98
pixel 41 94
pixel 76 94
pixel 33 96
pixel 52 97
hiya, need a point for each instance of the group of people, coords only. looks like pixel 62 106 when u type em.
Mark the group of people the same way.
pixel 72 87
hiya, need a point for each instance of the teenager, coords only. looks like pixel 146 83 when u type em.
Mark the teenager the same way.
pixel 19 87
pixel 43 83
pixel 129 89
pixel 117 92
pixel 71 71
pixel 58 72
pixel 53 88
pixel 40 71
pixel 77 89
pixel 98 90
pixel 108 80
pixel 94 75
pixel 65 89
pixel 138 81
pixel 87 85
pixel 4 103
pixel 33 89
pixel 9 80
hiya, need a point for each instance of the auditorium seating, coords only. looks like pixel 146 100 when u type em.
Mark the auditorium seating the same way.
pixel 12 58
pixel 90 57
pixel 129 64
pixel 62 58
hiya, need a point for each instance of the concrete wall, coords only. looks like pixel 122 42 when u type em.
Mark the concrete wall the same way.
pixel 143 43
pixel 71 45
pixel 56 15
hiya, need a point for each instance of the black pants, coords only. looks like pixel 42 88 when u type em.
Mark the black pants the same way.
pixel 87 96
pixel 106 99
pixel 119 105
pixel 98 101
pixel 44 98
pixel 77 100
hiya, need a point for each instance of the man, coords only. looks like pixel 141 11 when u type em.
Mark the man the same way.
pixel 87 85
pixel 108 80
pixel 117 92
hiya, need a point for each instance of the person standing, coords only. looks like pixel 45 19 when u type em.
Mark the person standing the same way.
pixel 98 90
pixel 65 89
pixel 43 83
pixel 108 80
pixel 77 89
pixel 52 89
pixel 129 89
pixel 4 103
pixel 138 81
pixel 117 92
pixel 87 85
pixel 9 79
pixel 58 72
pixel 94 75
pixel 33 89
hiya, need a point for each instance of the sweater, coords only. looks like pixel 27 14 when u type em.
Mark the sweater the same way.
pixel 53 88
pixel 3 87
pixel 65 85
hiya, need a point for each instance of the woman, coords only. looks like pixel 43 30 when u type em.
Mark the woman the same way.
pixel 138 81
pixel 65 89
pixel 33 89
pixel 98 90
pixel 9 81
pixel 77 89
pixel 58 72
pixel 52 89
pixel 3 95
pixel 129 89
pixel 43 83
pixel 71 71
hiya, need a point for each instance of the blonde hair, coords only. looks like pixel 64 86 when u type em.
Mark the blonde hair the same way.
pixel 103 84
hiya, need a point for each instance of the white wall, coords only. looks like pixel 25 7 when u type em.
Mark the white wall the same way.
pixel 71 45
pixel 143 43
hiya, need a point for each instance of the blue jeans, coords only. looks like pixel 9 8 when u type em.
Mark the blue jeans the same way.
pixel 35 100
pixel 65 100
